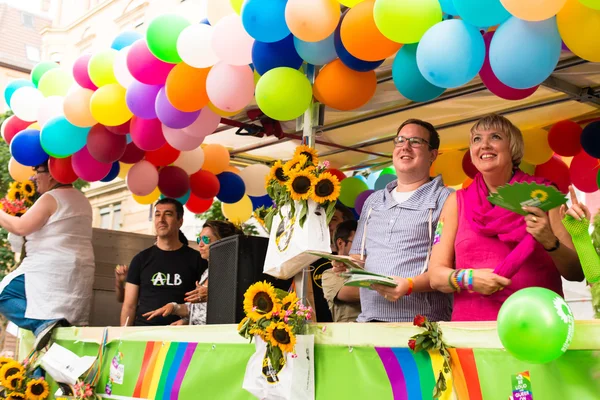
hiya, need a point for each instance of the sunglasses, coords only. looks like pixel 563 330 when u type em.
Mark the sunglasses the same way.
pixel 204 239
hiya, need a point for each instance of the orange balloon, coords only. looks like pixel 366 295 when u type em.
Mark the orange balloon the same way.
pixel 233 169
pixel 312 20
pixel 216 158
pixel 342 88
pixel 186 87
pixel 77 108
pixel 467 183
pixel 361 37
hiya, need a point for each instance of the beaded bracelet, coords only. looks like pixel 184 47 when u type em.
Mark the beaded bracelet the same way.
pixel 410 286
pixel 452 282
pixel 460 278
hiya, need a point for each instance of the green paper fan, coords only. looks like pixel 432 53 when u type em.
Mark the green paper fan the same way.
pixel 514 197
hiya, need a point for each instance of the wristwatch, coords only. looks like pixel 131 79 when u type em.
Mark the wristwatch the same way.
pixel 555 247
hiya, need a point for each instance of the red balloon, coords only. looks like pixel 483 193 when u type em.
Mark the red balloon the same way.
pixel 204 184
pixel 132 154
pixel 173 182
pixel 122 129
pixel 198 205
pixel 104 145
pixel 556 171
pixel 584 171
pixel 564 138
pixel 164 156
pixel 468 167
pixel 13 125
pixel 62 170
pixel 337 173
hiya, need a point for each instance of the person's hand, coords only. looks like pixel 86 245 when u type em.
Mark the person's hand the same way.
pixel 392 293
pixel 121 274
pixel 198 295
pixel 538 226
pixel 338 267
pixel 179 322
pixel 577 210
pixel 485 281
pixel 164 311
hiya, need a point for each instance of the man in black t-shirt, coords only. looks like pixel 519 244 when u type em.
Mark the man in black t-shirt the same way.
pixel 163 273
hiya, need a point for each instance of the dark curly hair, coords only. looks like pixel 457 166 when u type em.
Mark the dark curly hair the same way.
pixel 222 229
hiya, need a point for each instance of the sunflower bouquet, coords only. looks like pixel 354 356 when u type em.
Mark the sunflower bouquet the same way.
pixel 18 199
pixel 18 383
pixel 296 182
pixel 276 317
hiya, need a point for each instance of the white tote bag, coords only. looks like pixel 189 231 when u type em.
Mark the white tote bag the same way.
pixel 295 381
pixel 288 242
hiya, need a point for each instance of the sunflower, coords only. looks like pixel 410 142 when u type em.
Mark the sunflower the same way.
pixel 15 396
pixel 257 331
pixel 300 185
pixel 326 188
pixel 277 174
pixel 8 370
pixel 28 189
pixel 289 301
pixel 242 323
pixel 281 335
pixel 37 389
pixel 295 164
pixel 14 381
pixel 260 301
pixel 308 152
pixel 5 360
pixel 14 193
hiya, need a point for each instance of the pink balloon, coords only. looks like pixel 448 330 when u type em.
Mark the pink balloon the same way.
pixel 104 145
pixel 180 141
pixel 206 123
pixel 80 72
pixel 142 178
pixel 230 41
pixel 493 84
pixel 230 87
pixel 87 167
pixel 147 134
pixel 146 68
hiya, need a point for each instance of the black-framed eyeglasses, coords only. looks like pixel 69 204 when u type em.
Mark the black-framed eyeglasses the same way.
pixel 414 142
pixel 204 239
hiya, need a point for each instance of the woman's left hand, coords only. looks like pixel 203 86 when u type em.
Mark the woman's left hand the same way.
pixel 392 293
pixel 198 295
pixel 538 225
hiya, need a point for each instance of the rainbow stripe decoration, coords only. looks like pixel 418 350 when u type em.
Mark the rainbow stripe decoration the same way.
pixel 412 376
pixel 163 368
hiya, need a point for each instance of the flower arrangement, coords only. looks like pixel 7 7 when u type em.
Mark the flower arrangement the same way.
pixel 17 381
pixel 276 317
pixel 431 340
pixel 295 182
pixel 18 199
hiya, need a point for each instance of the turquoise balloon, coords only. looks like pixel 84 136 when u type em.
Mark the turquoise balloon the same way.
pixel 383 181
pixel 183 199
pixel 524 53
pixel 408 79
pixel 536 325
pixel 12 87
pixel 481 12
pixel 351 188
pixel 317 53
pixel 60 138
pixel 362 178
pixel 448 7
pixel 264 20
pixel 372 179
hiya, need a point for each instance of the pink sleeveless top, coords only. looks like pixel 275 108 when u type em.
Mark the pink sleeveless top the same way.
pixel 474 250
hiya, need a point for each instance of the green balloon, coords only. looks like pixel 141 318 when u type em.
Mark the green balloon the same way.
pixel 39 70
pixel 406 21
pixel 536 325
pixel 595 4
pixel 162 35
pixel 388 171
pixel 283 93
pixel 351 188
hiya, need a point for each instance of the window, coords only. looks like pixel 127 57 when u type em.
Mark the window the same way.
pixel 116 220
pixel 27 20
pixel 111 217
pixel 105 218
pixel 33 53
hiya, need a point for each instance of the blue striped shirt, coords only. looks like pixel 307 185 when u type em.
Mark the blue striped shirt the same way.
pixel 397 242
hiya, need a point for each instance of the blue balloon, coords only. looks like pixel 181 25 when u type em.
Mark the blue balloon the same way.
pixel 448 7
pixel 524 53
pixel 128 138
pixel 264 20
pixel 232 187
pixel 451 53
pixel 205 21
pixel 481 12
pixel 383 180
pixel 26 148
pixel 266 56
pixel 317 53
pixel 125 39
pixel 60 138
pixel 348 59
pixel 590 139
pixel 113 173
pixel 262 201
pixel 408 79
pixel 12 87
pixel 372 179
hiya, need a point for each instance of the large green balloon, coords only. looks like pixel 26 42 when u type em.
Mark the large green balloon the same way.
pixel 162 35
pixel 351 188
pixel 536 325
pixel 595 4
pixel 39 70
pixel 406 21
pixel 283 93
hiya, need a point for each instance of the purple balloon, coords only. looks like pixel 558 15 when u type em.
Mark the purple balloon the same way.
pixel 360 200
pixel 141 99
pixel 170 116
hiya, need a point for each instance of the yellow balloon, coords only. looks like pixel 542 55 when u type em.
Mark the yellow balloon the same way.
pixel 237 6
pixel 55 82
pixel 100 67
pixel 108 105
pixel 77 108
pixel 148 199
pixel 221 112
pixel 579 28
pixel 238 212
pixel 256 77
pixel 537 149
pixel 18 172
pixel 350 3
pixel 449 164
pixel 533 10
pixel 35 125
pixel 124 169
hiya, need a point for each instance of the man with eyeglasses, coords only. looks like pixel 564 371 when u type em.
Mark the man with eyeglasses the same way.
pixel 397 229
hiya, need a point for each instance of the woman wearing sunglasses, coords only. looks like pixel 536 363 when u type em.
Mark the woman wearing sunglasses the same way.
pixel 193 312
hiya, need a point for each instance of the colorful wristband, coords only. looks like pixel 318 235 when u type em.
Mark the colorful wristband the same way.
pixel 470 281
pixel 410 286
pixel 460 278
pixel 452 281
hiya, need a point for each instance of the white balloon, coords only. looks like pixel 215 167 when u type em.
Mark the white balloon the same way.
pixel 190 161
pixel 254 178
pixel 206 123
pixel 194 46
pixel 25 103
pixel 51 107
pixel 217 9
pixel 230 41
pixel 120 68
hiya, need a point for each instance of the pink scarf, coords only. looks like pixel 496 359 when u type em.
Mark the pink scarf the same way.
pixel 509 227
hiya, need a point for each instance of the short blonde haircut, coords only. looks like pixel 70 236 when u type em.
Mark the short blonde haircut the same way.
pixel 498 123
